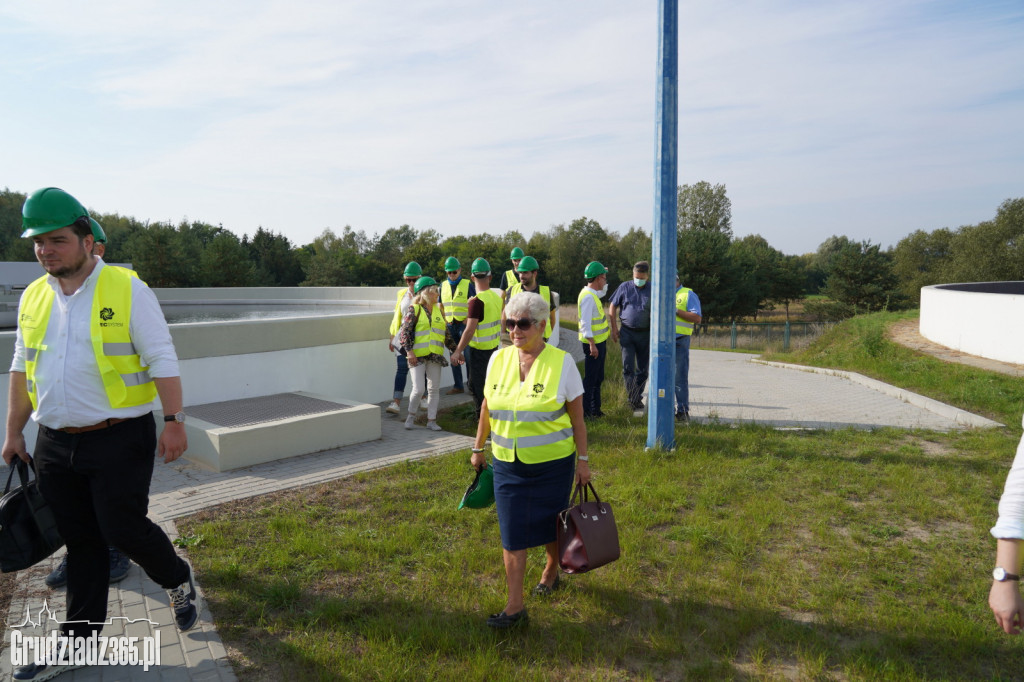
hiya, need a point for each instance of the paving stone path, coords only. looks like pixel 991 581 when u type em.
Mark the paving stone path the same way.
pixel 728 387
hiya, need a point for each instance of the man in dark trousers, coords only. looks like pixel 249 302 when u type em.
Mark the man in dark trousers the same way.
pixel 91 355
pixel 632 300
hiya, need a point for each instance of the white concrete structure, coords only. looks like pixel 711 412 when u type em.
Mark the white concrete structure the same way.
pixel 342 357
pixel 980 318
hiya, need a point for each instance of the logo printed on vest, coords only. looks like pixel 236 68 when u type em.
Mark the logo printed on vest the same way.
pixel 538 388
pixel 106 314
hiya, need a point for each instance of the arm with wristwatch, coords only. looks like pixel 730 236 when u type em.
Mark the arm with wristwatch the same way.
pixel 1004 598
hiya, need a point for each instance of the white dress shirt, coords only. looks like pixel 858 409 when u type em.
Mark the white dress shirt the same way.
pixel 1010 524
pixel 588 311
pixel 68 382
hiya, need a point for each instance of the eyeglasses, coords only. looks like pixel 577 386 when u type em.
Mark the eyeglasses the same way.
pixel 411 280
pixel 523 324
pixel 453 272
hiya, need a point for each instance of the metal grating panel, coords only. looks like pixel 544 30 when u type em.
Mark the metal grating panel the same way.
pixel 248 411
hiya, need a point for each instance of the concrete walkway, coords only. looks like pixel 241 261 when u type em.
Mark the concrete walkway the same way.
pixel 728 387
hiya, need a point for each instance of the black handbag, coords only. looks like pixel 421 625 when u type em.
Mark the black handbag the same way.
pixel 586 532
pixel 28 530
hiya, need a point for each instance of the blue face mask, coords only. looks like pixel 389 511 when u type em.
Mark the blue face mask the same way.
pixel 640 282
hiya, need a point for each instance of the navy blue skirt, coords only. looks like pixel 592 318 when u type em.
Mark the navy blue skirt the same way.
pixel 529 498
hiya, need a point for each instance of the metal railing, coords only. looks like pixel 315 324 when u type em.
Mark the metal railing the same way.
pixel 758 335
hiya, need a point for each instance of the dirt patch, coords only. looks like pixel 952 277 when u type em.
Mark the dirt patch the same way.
pixel 7 583
pixel 907 333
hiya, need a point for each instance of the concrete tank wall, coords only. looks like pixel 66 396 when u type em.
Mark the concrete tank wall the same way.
pixel 980 318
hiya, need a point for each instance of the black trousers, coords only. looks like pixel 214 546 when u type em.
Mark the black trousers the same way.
pixel 636 356
pixel 97 484
pixel 593 377
pixel 477 361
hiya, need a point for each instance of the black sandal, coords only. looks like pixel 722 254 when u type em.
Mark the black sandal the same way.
pixel 503 621
pixel 543 590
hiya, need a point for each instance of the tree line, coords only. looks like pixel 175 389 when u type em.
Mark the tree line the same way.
pixel 735 277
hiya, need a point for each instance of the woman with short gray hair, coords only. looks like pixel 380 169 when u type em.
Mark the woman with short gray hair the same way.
pixel 533 412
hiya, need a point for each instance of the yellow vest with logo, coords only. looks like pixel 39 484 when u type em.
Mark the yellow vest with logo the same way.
pixel 429 332
pixel 545 293
pixel 396 319
pixel 124 377
pixel 683 328
pixel 488 333
pixel 526 418
pixel 511 278
pixel 456 303
pixel 598 325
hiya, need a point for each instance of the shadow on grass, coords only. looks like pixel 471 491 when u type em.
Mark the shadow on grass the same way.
pixel 584 631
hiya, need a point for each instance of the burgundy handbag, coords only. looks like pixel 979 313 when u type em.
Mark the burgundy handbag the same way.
pixel 587 536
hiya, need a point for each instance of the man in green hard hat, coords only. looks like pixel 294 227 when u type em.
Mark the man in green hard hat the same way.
pixel 90 382
pixel 404 295
pixel 528 271
pixel 510 277
pixel 482 334
pixel 455 294
pixel 593 334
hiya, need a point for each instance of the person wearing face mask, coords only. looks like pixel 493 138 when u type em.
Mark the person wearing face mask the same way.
pixel 593 334
pixel 632 300
pixel 455 294
pixel 527 270
pixel 422 336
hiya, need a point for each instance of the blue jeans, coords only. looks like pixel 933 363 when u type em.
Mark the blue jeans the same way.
pixel 401 375
pixel 593 377
pixel 455 329
pixel 682 374
pixel 636 356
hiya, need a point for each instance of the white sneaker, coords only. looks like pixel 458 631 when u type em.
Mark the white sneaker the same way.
pixel 409 422
pixel 393 408
pixel 433 426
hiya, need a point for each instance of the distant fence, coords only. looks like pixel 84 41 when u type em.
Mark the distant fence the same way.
pixel 758 335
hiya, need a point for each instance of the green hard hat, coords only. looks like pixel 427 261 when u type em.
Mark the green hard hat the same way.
pixel 528 264
pixel 452 264
pixel 424 282
pixel 594 269
pixel 480 493
pixel 516 254
pixel 480 267
pixel 413 269
pixel 98 234
pixel 49 209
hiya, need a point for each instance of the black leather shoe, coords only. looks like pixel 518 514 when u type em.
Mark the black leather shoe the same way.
pixel 543 590
pixel 503 621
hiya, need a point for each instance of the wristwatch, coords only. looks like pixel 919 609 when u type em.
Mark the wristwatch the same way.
pixel 999 574
pixel 178 416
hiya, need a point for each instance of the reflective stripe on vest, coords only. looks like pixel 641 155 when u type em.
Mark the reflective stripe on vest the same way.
pixel 429 332
pixel 396 319
pixel 545 293
pixel 683 328
pixel 456 304
pixel 599 324
pixel 487 333
pixel 125 379
pixel 526 418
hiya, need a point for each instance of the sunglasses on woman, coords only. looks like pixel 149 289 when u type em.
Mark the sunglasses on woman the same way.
pixel 523 324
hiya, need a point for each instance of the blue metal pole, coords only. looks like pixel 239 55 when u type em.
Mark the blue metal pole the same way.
pixel 661 385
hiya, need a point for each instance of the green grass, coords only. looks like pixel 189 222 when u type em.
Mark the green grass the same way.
pixel 748 553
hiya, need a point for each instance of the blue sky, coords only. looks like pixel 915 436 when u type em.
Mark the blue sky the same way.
pixel 863 118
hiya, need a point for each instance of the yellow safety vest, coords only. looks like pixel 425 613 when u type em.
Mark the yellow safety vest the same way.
pixel 545 293
pixel 683 328
pixel 598 325
pixel 511 279
pixel 125 379
pixel 396 319
pixel 456 303
pixel 429 332
pixel 488 334
pixel 526 418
